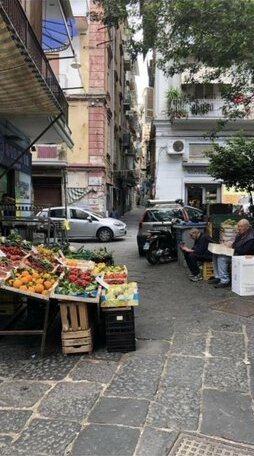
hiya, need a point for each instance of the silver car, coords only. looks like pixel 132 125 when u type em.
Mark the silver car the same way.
pixel 84 224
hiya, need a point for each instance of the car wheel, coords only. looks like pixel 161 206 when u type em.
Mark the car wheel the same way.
pixel 141 251
pixel 105 235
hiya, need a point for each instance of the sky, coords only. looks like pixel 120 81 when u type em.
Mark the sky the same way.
pixel 142 79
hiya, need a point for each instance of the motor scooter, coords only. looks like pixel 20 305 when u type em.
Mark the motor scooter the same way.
pixel 161 246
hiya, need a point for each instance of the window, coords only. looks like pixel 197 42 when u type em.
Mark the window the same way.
pixel 197 151
pixel 163 215
pixel 194 215
pixel 77 214
pixel 57 213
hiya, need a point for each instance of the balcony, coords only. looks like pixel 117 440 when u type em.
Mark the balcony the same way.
pixel 28 83
pixel 205 109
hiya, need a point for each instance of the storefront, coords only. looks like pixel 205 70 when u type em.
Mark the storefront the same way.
pixel 16 182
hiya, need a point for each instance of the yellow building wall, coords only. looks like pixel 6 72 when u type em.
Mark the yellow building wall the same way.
pixel 231 196
pixel 78 123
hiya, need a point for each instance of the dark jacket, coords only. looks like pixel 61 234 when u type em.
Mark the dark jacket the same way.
pixel 201 246
pixel 244 243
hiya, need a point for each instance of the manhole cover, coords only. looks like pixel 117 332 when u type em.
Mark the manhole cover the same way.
pixel 189 445
pixel 244 308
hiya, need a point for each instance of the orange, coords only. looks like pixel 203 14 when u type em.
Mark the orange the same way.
pixel 47 284
pixel 25 273
pixel 31 289
pixel 45 292
pixel 35 275
pixel 40 281
pixel 23 287
pixel 24 279
pixel 39 288
pixel 17 283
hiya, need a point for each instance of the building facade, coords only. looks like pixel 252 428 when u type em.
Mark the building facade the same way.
pixel 32 105
pixel 182 136
pixel 99 83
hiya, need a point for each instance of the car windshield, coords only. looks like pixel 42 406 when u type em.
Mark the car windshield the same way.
pixel 160 215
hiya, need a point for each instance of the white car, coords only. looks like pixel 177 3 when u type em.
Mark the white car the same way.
pixel 86 224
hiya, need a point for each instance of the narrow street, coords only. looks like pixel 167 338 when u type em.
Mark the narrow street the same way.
pixel 187 390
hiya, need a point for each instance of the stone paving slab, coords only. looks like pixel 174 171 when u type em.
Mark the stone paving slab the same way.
pixel 54 367
pixel 103 354
pixel 110 410
pixel 175 408
pixel 151 347
pixel 94 370
pixel 138 377
pixel 227 345
pixel 70 400
pixel 228 415
pixel 13 420
pixel 21 393
pixel 155 442
pixel 8 369
pixel 103 440
pixel 5 442
pixel 183 371
pixel 189 344
pixel 226 374
pixel 44 437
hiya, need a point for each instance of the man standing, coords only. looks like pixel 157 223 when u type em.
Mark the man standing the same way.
pixel 242 245
pixel 198 253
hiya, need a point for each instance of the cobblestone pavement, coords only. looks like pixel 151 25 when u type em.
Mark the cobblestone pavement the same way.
pixel 191 375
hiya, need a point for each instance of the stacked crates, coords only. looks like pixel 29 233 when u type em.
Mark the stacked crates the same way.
pixel 120 329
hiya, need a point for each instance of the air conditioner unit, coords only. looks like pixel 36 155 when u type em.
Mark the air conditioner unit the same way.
pixel 176 147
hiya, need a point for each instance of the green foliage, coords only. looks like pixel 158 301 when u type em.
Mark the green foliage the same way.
pixel 176 104
pixel 233 163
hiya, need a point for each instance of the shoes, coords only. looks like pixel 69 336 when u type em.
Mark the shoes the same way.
pixel 222 285
pixel 213 280
pixel 196 278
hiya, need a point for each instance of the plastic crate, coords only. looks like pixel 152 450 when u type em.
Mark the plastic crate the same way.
pixel 207 270
pixel 120 329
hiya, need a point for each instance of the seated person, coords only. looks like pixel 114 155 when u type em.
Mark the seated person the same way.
pixel 198 253
pixel 243 245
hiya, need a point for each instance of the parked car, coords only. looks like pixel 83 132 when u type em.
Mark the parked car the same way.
pixel 86 224
pixel 161 215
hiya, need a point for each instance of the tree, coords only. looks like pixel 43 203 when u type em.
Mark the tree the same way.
pixel 234 163
pixel 215 35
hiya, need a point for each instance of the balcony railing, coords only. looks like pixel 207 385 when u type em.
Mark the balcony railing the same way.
pixel 205 108
pixel 14 15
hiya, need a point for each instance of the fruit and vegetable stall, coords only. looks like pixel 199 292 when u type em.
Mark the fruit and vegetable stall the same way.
pixel 81 282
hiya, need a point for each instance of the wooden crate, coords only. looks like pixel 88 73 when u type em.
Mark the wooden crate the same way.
pixel 207 270
pixel 74 315
pixel 77 341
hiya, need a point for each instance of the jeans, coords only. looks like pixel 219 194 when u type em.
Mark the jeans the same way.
pixel 221 267
pixel 192 261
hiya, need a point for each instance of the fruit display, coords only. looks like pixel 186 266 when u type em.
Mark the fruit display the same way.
pixel 49 254
pixel 99 269
pixel 115 274
pixel 123 295
pixel 14 253
pixel 29 281
pixel 81 264
pixel 76 282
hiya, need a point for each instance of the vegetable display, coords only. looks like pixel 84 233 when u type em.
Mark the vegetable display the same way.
pixel 77 282
pixel 40 264
pixel 115 274
pixel 121 295
pixel 100 255
pixel 14 253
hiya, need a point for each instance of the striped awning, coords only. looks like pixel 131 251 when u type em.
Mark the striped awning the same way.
pixel 22 87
